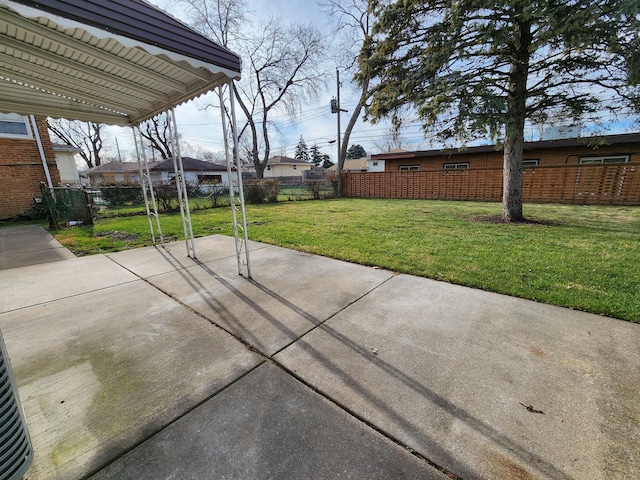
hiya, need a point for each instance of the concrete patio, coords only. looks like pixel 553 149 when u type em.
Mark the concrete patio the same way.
pixel 146 364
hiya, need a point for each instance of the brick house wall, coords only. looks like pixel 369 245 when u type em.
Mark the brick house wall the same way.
pixel 494 159
pixel 557 176
pixel 21 171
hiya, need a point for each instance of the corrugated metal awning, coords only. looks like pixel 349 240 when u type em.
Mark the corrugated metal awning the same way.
pixel 118 62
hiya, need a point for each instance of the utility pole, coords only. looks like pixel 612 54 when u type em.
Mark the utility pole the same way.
pixel 335 108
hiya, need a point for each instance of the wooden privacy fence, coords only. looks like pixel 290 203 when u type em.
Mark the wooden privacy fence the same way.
pixel 617 184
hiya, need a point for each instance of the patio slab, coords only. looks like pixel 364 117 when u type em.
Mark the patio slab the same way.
pixel 99 373
pixel 35 284
pixel 22 245
pixel 484 385
pixel 291 293
pixel 268 425
pixel 150 261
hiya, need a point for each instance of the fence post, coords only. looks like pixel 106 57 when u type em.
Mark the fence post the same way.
pixel 48 201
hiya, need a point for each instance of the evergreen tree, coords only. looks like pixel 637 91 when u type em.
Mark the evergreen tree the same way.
pixel 302 152
pixel 477 68
pixel 327 163
pixel 356 151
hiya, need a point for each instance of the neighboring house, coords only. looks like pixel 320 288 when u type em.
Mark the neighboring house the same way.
pixel 26 159
pixel 573 151
pixel 375 164
pixel 127 173
pixel 195 171
pixel 113 173
pixel 66 161
pixel 285 167
pixel 353 165
pixel 596 170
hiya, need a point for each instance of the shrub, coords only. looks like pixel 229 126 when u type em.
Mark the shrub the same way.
pixel 117 195
pixel 315 188
pixel 262 191
pixel 166 193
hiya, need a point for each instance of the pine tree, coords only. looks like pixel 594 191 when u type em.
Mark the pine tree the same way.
pixel 302 152
pixel 356 151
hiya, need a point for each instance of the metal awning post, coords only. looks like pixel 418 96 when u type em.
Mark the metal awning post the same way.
pixel 181 185
pixel 239 225
pixel 147 185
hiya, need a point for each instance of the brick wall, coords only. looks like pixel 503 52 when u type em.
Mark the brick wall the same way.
pixel 21 171
pixel 615 184
pixel 494 159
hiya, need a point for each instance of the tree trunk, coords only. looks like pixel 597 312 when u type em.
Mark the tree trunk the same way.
pixel 514 125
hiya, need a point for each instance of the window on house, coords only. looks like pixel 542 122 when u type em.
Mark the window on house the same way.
pixel 408 168
pixel 455 166
pixel 13 125
pixel 295 167
pixel 268 167
pixel 375 163
pixel 604 159
pixel 530 162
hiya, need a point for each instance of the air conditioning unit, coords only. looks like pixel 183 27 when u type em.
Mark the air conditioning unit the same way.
pixel 16 453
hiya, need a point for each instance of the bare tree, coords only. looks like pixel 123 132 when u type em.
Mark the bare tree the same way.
pixel 352 28
pixel 86 136
pixel 281 67
pixel 156 131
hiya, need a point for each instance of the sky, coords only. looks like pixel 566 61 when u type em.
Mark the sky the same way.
pixel 316 124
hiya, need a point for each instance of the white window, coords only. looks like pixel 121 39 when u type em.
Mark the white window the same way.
pixel 455 166
pixel 408 168
pixel 604 159
pixel 530 162
pixel 13 125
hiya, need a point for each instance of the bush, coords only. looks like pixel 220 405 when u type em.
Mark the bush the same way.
pixel 315 188
pixel 166 193
pixel 121 195
pixel 333 178
pixel 262 191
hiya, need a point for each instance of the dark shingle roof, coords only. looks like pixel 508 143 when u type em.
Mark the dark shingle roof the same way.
pixel 189 165
pixel 540 145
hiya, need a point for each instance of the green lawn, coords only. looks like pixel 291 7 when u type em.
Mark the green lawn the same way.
pixel 585 258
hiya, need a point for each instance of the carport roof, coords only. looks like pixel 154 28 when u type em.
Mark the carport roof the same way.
pixel 118 62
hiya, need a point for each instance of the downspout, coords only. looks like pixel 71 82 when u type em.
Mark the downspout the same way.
pixel 34 126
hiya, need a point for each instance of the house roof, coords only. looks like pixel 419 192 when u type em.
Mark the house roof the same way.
pixel 118 62
pixel 280 160
pixel 114 167
pixel 62 147
pixel 352 164
pixel 189 165
pixel 540 145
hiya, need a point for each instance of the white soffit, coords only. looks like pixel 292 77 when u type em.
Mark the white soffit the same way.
pixel 58 67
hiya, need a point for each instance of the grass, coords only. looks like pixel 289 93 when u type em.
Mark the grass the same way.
pixel 579 257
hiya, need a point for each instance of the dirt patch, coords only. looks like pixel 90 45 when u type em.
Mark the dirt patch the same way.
pixel 126 237
pixel 498 219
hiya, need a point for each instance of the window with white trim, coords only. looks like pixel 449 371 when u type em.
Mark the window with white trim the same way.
pixel 603 159
pixel 455 166
pixel 409 168
pixel 268 167
pixel 13 125
pixel 295 167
